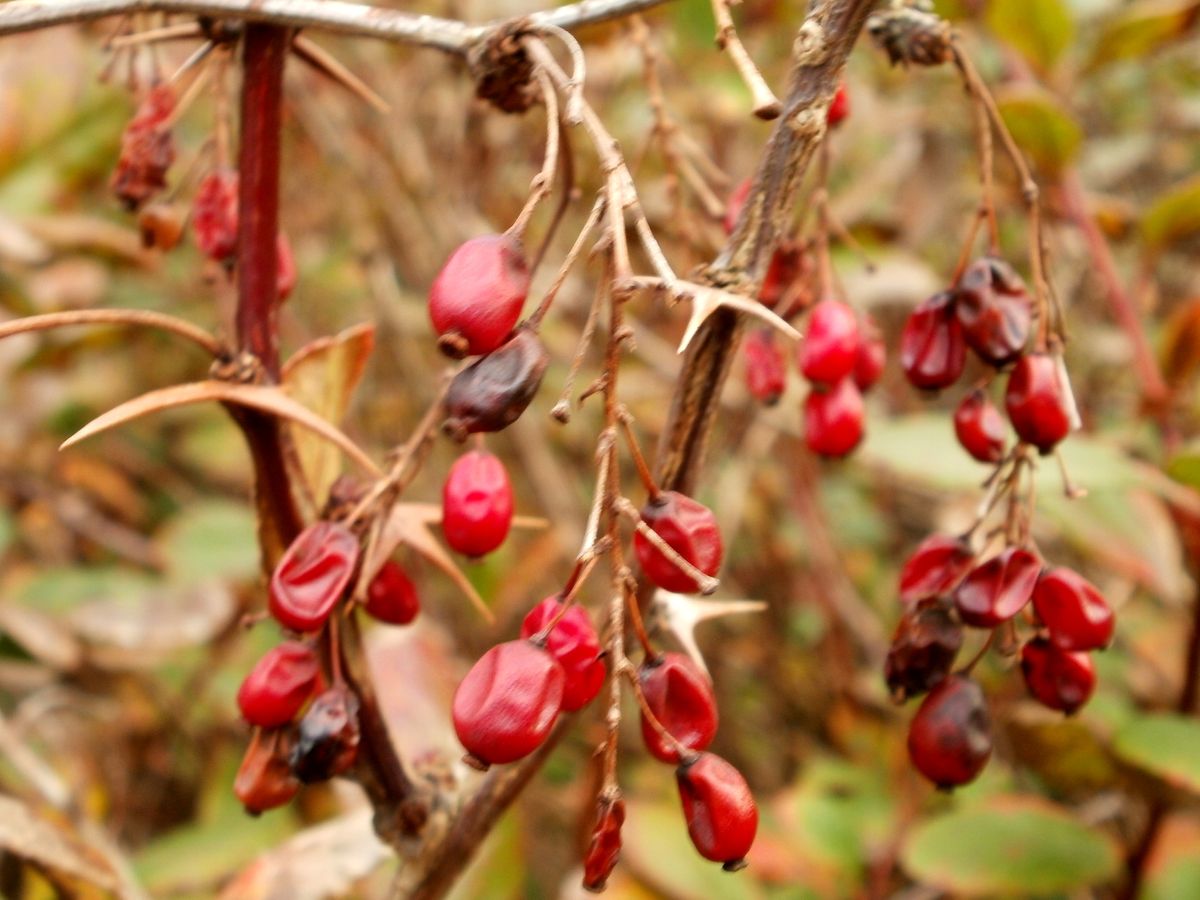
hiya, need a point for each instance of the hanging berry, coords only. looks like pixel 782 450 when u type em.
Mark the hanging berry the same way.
pixel 491 393
pixel 933 350
pixel 327 740
pixel 923 648
pixel 477 504
pixel 1056 678
pixel 833 419
pixel 264 780
pixel 604 848
pixel 1036 402
pixel 870 356
pixel 830 347
pixel 721 816
pixel 681 698
pixel 147 149
pixel 391 595
pixel 574 643
pixel 215 215
pixel 766 371
pixel 312 575
pixel 279 685
pixel 839 106
pixel 935 568
pixel 950 737
pixel 995 591
pixel 994 310
pixel 1074 612
pixel 979 427
pixel 476 298
pixel 690 529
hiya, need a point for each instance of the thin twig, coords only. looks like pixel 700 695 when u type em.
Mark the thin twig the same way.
pixel 766 104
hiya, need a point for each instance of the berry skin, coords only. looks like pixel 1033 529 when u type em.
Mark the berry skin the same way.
pixel 505 707
pixel 681 697
pixel 1074 612
pixel 279 685
pixel 327 740
pixel 264 779
pixel 476 298
pixel 604 849
pixel 492 392
pixel 788 263
pixel 147 149
pixel 477 504
pixel 573 642
pixel 830 348
pixel 870 356
pixel 923 649
pixel 312 575
pixel 833 419
pixel 994 310
pixel 839 107
pixel 719 809
pixel 690 529
pixel 979 428
pixel 933 350
pixel 935 568
pixel 998 589
pixel 1056 678
pixel 1036 402
pixel 215 215
pixel 391 595
pixel 766 371
pixel 950 737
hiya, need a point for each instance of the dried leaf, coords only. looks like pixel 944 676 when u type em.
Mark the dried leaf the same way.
pixel 42 636
pixel 50 848
pixel 1181 343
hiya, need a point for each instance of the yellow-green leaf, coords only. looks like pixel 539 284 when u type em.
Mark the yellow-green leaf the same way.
pixel 1041 125
pixel 1164 745
pixel 1141 28
pixel 1173 216
pixel 1040 29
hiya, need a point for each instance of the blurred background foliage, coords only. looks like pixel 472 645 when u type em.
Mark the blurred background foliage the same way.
pixel 129 561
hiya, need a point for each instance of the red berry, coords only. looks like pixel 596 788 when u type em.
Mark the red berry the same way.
pixel 505 707
pixel 933 350
pixel 285 267
pixel 690 529
pixel 476 298
pixel 573 642
pixel 681 697
pixel 327 740
pixel 991 304
pixel 979 427
pixel 950 737
pixel 737 200
pixel 830 348
pixel 833 419
pixel 923 649
pixel 492 392
pixel 788 263
pixel 264 779
pixel 870 356
pixel 215 214
pixel 1036 402
pixel 1056 678
pixel 998 589
pixel 839 107
pixel 477 504
pixel 719 809
pixel 1074 612
pixel 935 568
pixel 279 685
pixel 312 575
pixel 766 371
pixel 604 849
pixel 147 149
pixel 391 596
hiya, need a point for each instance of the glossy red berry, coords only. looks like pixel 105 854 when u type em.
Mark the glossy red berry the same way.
pixel 933 350
pixel 311 576
pixel 979 427
pixel 721 816
pixel 690 529
pixel 998 589
pixel 279 685
pixel 505 707
pixel 477 504
pixel 476 298
pixel 264 780
pixel 830 347
pixel 1037 403
pixel 285 267
pixel 604 849
pixel 391 595
pixel 870 356
pixel 327 739
pixel 1075 614
pixel 766 370
pixel 680 696
pixel 935 568
pixel 215 214
pixel 147 149
pixel 923 649
pixel 1057 678
pixel 994 309
pixel 492 392
pixel 574 643
pixel 733 206
pixel 950 737
pixel 839 107
pixel 833 419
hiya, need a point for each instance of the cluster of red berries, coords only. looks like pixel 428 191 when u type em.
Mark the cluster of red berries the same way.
pixel 944 587
pixel 306 729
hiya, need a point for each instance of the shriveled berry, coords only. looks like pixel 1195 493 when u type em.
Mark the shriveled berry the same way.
pixel 264 780
pixel 391 595
pixel 935 568
pixel 735 203
pixel 680 696
pixel 996 590
pixel 491 393
pixel 1036 402
pixel 766 370
pixel 476 298
pixel 690 529
pixel 830 347
pixel 215 214
pixel 285 267
pixel 933 350
pixel 477 504
pixel 327 741
pixel 833 419
pixel 1075 614
pixel 604 848
pixel 1057 678
pixel 950 737
pixel 505 707
pixel 839 107
pixel 923 649
pixel 870 356
pixel 279 685
pixel 147 149
pixel 994 309
pixel 312 575
pixel 160 225
pixel 721 816
pixel 574 643
pixel 979 427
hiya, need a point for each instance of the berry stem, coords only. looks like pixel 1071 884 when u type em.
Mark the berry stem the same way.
pixel 635 451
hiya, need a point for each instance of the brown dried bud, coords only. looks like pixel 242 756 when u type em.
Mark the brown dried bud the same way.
pixel 161 225
pixel 605 847
pixel 491 393
pixel 264 779
pixel 910 32
pixel 923 650
pixel 327 743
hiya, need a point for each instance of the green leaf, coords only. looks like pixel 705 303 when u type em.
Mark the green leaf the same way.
pixel 841 812
pixel 1173 216
pixel 1164 745
pixel 212 540
pixel 1142 28
pixel 1040 29
pixel 1012 845
pixel 1041 125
